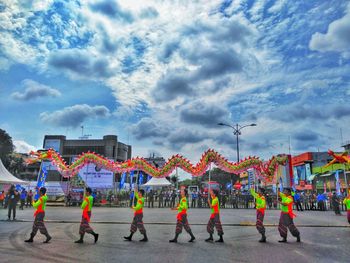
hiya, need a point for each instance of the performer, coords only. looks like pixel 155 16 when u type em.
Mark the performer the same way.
pixel 214 219
pixel 84 224
pixel 346 202
pixel 182 218
pixel 287 215
pixel 138 215
pixel 39 214
pixel 260 205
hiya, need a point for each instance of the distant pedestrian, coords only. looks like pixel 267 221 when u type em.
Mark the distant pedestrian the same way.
pixel 84 224
pixel 39 215
pixel 137 222
pixel 12 202
pixel 260 205
pixel 29 198
pixel 22 198
pixel 336 204
pixel 2 198
pixel 214 219
pixel 297 202
pixel 286 217
pixel 182 218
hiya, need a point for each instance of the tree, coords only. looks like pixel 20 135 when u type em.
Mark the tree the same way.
pixel 6 147
pixel 220 176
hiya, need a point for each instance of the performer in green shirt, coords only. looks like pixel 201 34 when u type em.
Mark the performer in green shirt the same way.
pixel 84 224
pixel 287 215
pixel 214 219
pixel 260 205
pixel 182 218
pixel 39 214
pixel 347 203
pixel 138 215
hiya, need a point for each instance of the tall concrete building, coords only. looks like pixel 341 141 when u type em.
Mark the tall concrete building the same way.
pixel 108 146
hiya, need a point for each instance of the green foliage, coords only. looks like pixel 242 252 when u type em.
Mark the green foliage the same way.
pixel 6 148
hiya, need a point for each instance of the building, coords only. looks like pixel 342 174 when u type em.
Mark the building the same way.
pixel 346 146
pixel 158 162
pixel 310 174
pixel 108 146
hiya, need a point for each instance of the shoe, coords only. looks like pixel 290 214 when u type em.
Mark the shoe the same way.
pixel 127 238
pixel 30 240
pixel 284 240
pixel 298 239
pixel 95 237
pixel 192 239
pixel 48 238
pixel 220 240
pixel 209 239
pixel 144 239
pixel 80 241
pixel 173 240
pixel 263 239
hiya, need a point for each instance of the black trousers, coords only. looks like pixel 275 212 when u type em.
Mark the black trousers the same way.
pixel 12 207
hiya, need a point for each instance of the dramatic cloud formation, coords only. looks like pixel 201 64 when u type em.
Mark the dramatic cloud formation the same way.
pixel 164 73
pixel 73 116
pixel 34 90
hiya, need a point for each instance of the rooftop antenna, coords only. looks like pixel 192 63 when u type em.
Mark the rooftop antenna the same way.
pixel 84 136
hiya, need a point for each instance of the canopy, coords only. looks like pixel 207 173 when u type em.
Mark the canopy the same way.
pixel 157 182
pixel 7 178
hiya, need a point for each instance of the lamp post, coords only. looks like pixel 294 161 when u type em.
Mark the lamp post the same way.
pixel 237 131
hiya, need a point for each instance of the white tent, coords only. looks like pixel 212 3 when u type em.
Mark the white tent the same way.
pixel 157 182
pixel 7 178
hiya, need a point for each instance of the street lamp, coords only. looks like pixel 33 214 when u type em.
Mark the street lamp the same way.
pixel 236 131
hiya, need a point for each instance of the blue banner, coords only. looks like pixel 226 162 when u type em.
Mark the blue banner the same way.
pixel 337 183
pixel 281 185
pixel 122 180
pixel 131 179
pixel 41 181
pixel 140 178
pixel 228 186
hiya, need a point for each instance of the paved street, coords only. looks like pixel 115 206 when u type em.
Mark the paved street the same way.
pixel 327 242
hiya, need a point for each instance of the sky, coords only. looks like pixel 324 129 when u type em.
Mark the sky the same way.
pixel 162 74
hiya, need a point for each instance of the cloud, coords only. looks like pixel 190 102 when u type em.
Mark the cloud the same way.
pixel 113 10
pixel 149 13
pixel 23 147
pixel 74 116
pixel 298 111
pixel 204 114
pixel 337 37
pixel 306 135
pixel 148 128
pixel 173 84
pixel 80 63
pixel 34 90
pixel 183 136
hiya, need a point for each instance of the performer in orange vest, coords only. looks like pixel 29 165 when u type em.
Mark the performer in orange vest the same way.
pixel 214 219
pixel 84 224
pixel 39 215
pixel 182 218
pixel 287 215
pixel 138 215
pixel 260 205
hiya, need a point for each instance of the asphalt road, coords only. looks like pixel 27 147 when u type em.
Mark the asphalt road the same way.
pixel 325 238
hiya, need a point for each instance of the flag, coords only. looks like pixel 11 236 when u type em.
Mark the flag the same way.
pixel 228 186
pixel 122 180
pixel 337 183
pixel 131 179
pixel 149 178
pixel 41 181
pixel 281 184
pixel 140 178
